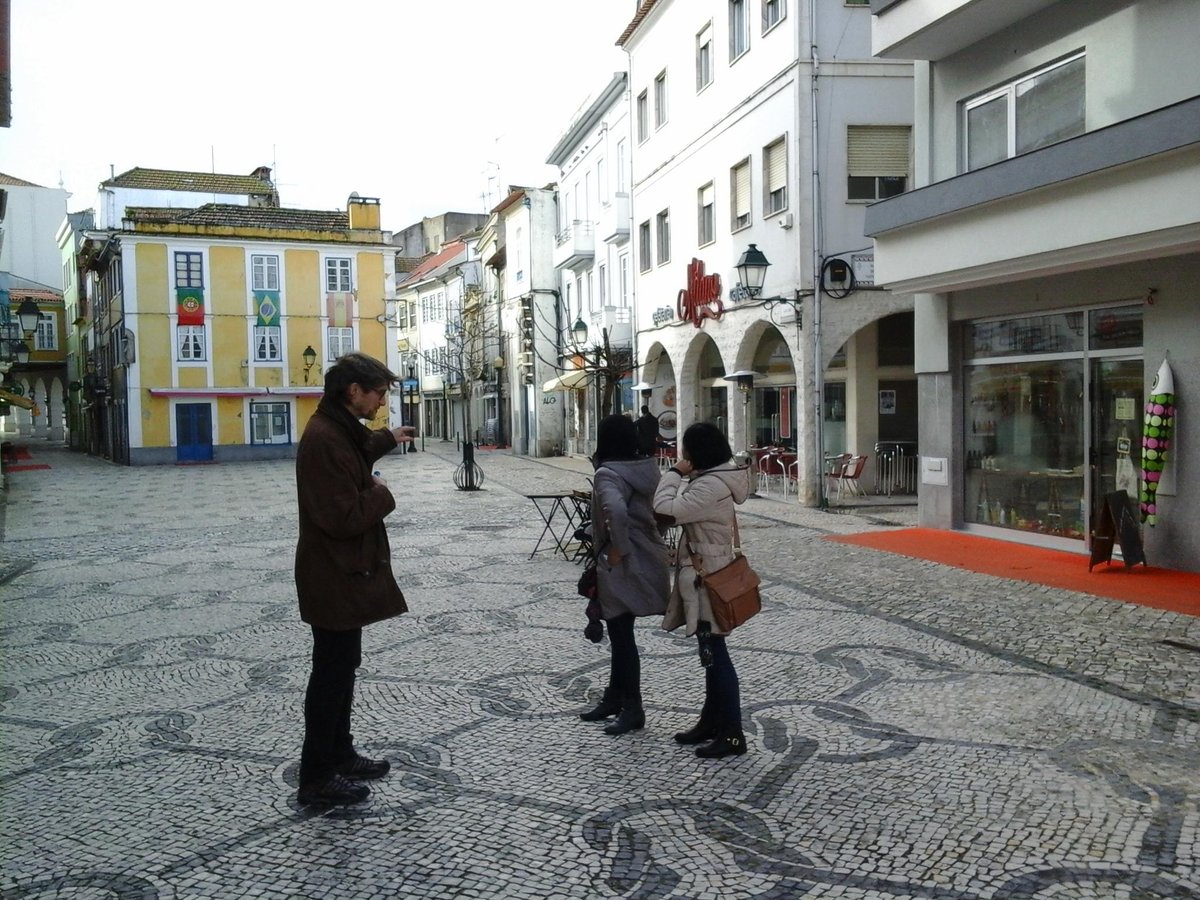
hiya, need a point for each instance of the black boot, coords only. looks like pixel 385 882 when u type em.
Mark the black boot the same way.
pixel 704 730
pixel 631 718
pixel 609 705
pixel 730 743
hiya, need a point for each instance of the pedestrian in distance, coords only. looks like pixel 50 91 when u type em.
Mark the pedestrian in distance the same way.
pixel 631 569
pixel 343 568
pixel 699 493
pixel 647 432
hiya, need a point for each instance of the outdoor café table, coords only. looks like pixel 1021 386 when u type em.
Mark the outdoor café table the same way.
pixel 560 515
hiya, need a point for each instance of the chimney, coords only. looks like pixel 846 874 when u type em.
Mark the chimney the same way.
pixel 363 212
pixel 269 197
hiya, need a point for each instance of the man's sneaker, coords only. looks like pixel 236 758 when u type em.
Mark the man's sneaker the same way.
pixel 362 769
pixel 336 790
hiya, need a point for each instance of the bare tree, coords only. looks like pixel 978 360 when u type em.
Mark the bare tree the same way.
pixel 473 341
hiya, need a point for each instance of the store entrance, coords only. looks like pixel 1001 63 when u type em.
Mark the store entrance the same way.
pixel 1114 445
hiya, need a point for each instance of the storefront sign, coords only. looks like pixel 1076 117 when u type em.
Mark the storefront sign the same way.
pixel 663 314
pixel 701 299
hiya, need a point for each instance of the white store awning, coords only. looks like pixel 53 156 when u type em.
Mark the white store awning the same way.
pixel 567 381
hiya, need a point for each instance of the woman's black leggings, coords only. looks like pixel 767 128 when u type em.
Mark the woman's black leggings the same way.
pixel 625 677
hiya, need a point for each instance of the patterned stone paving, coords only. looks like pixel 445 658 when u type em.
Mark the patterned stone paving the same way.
pixel 915 730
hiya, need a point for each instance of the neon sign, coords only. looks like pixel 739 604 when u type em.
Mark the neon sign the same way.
pixel 701 299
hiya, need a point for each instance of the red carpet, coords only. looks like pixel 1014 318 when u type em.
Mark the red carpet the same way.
pixel 1145 585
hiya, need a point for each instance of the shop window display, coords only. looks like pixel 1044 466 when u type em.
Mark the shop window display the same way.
pixel 1024 446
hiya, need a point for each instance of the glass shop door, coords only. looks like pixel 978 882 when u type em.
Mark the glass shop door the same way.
pixel 1115 444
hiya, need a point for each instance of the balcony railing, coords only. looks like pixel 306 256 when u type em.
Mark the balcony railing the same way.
pixel 574 245
pixel 614 220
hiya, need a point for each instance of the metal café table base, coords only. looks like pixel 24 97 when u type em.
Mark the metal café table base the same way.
pixel 561 514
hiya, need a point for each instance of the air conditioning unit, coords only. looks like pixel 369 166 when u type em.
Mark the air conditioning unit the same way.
pixel 786 220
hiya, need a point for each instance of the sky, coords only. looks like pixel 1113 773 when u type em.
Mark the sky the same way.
pixel 429 105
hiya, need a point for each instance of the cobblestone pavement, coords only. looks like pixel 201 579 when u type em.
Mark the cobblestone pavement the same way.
pixel 915 730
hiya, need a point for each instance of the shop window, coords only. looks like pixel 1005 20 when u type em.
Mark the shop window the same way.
pixel 1024 446
pixel 1055 333
pixel 1112 329
pixel 270 423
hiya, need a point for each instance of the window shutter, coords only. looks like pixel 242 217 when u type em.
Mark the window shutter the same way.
pixel 741 187
pixel 706 195
pixel 877 150
pixel 776 166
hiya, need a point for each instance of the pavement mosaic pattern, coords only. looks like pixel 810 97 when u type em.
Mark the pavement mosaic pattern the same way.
pixel 915 731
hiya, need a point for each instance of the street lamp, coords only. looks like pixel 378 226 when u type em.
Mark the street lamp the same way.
pixel 579 332
pixel 752 274
pixel 498 365
pixel 12 348
pixel 752 270
pixel 29 314
pixel 410 398
pixel 310 359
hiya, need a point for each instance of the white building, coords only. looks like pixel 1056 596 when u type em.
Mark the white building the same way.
pixel 521 284
pixel 770 125
pixel 593 257
pixel 1054 245
pixel 438 290
pixel 29 218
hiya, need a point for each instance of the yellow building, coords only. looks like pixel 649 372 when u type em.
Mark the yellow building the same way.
pixel 209 328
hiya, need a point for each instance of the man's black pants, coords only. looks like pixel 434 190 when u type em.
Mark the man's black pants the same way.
pixel 327 703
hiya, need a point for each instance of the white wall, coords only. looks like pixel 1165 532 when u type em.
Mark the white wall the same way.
pixel 1133 63
pixel 30 245
pixel 113 202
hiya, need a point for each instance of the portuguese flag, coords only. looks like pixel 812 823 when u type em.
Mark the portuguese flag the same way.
pixel 190 305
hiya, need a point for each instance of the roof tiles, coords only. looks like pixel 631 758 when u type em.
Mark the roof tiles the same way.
pixel 232 216
pixel 201 182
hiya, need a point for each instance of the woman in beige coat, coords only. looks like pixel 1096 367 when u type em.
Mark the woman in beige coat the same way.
pixel 699 493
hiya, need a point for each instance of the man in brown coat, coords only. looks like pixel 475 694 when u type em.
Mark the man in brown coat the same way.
pixel 343 568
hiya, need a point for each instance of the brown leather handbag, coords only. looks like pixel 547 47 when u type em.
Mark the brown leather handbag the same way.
pixel 732 590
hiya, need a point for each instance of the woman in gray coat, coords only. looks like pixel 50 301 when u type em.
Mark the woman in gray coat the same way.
pixel 631 567
pixel 699 493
